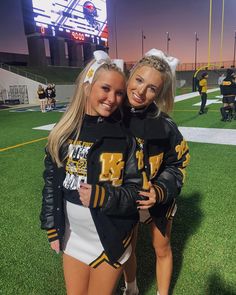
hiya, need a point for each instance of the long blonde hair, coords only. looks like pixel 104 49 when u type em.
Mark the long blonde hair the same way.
pixel 165 99
pixel 71 121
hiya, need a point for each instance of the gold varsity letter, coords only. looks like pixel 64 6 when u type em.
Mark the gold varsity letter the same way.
pixel 112 166
pixel 139 157
pixel 155 163
pixel 181 149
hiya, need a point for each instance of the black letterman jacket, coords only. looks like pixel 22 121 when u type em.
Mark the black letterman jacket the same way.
pixel 228 86
pixel 113 209
pixel 166 155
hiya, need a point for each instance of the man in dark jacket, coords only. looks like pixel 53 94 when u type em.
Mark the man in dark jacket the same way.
pixel 228 89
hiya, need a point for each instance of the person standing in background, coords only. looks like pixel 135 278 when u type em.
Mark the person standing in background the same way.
pixel 42 98
pixel 53 103
pixel 228 88
pixel 49 96
pixel 203 92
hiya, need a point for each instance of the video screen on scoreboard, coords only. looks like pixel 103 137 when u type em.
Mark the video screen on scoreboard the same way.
pixel 80 20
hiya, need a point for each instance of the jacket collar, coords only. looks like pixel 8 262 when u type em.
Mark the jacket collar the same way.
pixel 150 110
pixel 154 123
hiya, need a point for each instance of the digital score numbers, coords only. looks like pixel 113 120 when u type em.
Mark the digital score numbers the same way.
pixel 80 20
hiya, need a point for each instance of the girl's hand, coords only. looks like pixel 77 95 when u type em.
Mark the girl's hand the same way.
pixel 55 245
pixel 151 201
pixel 85 191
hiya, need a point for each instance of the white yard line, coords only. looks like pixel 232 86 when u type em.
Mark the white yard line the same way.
pixel 209 135
pixel 192 94
pixel 194 134
pixel 45 127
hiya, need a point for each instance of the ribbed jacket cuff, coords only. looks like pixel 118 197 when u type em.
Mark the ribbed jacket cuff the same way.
pixel 97 196
pixel 160 193
pixel 52 235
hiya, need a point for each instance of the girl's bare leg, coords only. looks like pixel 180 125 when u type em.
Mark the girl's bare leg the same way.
pixel 164 259
pixel 103 279
pixel 76 275
pixel 130 268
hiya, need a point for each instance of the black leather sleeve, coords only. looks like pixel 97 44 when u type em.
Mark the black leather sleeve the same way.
pixel 169 181
pixel 47 217
pixel 120 200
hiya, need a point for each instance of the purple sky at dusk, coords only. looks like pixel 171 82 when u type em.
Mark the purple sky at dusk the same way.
pixel 181 18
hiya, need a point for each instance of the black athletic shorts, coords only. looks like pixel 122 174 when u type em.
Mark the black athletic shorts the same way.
pixel 228 99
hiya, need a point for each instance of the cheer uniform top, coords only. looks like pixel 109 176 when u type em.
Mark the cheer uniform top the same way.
pixel 49 92
pixel 41 94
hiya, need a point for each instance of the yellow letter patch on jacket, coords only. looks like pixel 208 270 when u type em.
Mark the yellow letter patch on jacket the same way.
pixel 112 167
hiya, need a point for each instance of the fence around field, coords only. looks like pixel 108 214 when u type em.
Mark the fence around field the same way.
pixel 193 67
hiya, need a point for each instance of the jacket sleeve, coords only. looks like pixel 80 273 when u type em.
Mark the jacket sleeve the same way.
pixel 47 216
pixel 120 200
pixel 169 181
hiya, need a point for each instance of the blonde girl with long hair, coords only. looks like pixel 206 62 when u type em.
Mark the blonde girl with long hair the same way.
pixel 92 180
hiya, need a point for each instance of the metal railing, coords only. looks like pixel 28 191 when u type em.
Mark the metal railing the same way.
pixel 216 65
pixel 191 66
pixel 23 73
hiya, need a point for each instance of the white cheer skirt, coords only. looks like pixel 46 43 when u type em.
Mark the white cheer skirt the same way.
pixel 81 240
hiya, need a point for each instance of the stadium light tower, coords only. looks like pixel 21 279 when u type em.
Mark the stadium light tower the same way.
pixel 222 32
pixel 234 49
pixel 209 34
pixel 143 37
pixel 115 25
pixel 195 51
pixel 167 42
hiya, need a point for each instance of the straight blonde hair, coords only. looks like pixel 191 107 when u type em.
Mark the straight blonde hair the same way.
pixel 71 121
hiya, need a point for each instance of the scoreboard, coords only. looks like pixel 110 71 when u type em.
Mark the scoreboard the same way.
pixel 81 20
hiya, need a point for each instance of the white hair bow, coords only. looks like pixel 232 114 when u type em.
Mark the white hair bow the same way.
pixel 172 61
pixel 101 57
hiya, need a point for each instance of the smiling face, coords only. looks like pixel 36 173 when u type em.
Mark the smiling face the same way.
pixel 106 94
pixel 144 86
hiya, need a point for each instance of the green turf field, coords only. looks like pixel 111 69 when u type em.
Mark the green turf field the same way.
pixel 203 238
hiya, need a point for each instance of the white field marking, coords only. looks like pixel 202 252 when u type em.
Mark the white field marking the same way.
pixel 192 94
pixel 194 134
pixel 209 135
pixel 209 102
pixel 45 127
